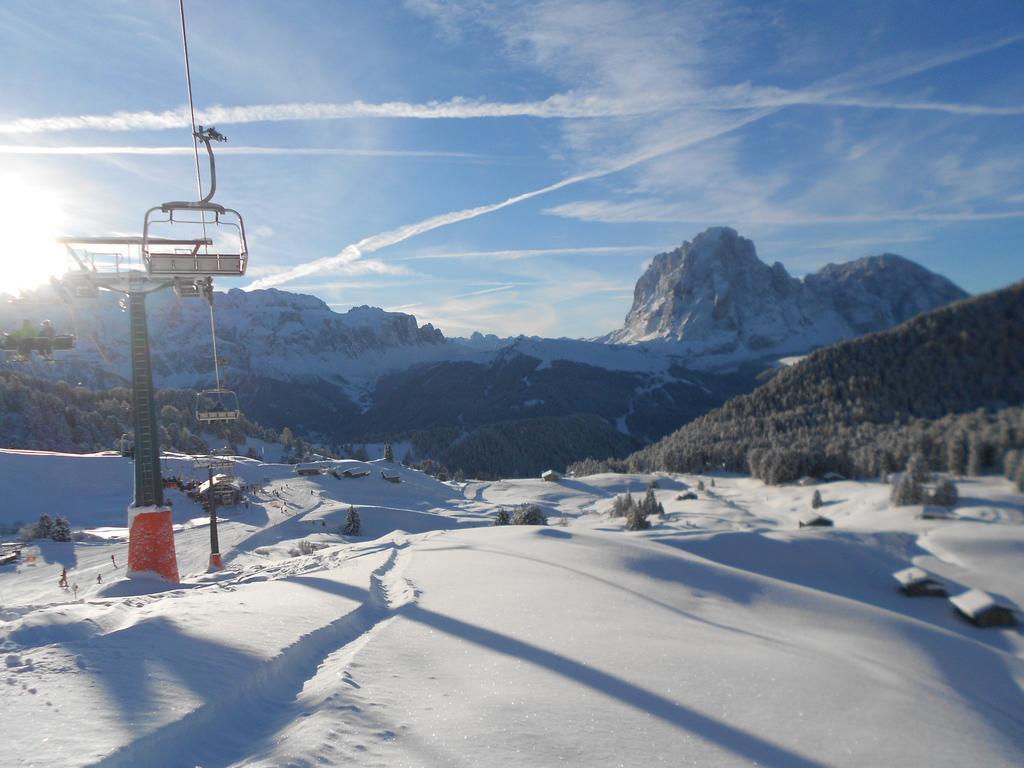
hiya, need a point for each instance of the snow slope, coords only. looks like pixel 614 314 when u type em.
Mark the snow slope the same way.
pixel 722 636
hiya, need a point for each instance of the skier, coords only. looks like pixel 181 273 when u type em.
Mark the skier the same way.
pixel 113 561
pixel 63 578
pixel 99 578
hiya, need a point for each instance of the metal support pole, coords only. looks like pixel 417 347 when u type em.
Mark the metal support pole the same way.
pixel 149 488
pixel 150 529
pixel 211 500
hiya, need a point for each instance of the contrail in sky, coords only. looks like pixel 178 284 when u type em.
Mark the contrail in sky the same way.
pixel 375 242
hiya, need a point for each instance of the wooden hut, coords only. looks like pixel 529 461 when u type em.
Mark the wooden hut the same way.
pixel 226 490
pixel 814 520
pixel 982 610
pixel 550 476
pixel 915 582
pixel 931 512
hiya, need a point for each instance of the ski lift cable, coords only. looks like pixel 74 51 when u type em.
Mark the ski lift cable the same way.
pixel 213 335
pixel 192 113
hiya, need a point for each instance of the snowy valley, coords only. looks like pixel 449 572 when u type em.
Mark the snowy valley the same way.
pixel 723 635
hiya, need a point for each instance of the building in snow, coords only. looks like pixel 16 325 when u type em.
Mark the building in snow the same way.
pixel 227 490
pixel 915 582
pixel 931 512
pixel 982 610
pixel 306 470
pixel 814 520
pixel 551 476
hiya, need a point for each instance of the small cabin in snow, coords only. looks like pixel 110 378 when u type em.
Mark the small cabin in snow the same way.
pixel 930 512
pixel 227 490
pixel 982 610
pixel 306 470
pixel 814 520
pixel 550 476
pixel 915 582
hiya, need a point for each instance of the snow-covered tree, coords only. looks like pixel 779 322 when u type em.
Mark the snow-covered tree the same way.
pixel 956 454
pixel 44 528
pixel 61 530
pixel 945 493
pixel 907 491
pixel 389 454
pixel 816 499
pixel 917 468
pixel 636 518
pixel 353 525
pixel 622 504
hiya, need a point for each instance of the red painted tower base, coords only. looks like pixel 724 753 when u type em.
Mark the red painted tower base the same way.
pixel 216 562
pixel 151 544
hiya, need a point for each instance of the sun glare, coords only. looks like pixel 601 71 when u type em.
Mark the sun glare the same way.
pixel 31 216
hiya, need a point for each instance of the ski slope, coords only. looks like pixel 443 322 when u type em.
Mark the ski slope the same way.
pixel 722 636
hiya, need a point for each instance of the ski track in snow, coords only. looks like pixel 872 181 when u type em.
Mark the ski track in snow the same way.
pixel 265 702
pixel 308 681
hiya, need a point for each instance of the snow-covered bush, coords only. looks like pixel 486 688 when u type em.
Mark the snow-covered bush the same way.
pixel 529 514
pixel 816 499
pixel 503 517
pixel 945 494
pixel 353 525
pixel 304 547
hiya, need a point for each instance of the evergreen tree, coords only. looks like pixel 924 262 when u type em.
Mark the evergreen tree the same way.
pixel 975 458
pixel 622 505
pixel 636 519
pixel 945 494
pixel 44 529
pixel 1011 462
pixel 389 454
pixel 353 525
pixel 816 499
pixel 503 517
pixel 1020 477
pixel 917 468
pixel 956 454
pixel 61 530
pixel 700 485
pixel 907 491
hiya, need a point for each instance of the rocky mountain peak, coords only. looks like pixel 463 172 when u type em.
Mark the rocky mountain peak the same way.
pixel 715 295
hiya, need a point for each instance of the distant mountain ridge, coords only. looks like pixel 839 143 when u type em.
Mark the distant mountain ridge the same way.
pixel 714 296
pixel 369 374
pixel 946 383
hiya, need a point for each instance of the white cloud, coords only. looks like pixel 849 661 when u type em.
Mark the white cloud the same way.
pixel 23 149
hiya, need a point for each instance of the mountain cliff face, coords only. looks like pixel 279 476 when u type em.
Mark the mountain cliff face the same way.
pixel 717 297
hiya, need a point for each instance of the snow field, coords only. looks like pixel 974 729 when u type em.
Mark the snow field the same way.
pixel 722 636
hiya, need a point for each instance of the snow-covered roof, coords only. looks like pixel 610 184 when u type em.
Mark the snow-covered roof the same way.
pixel 550 473
pixel 811 517
pixel 910 576
pixel 974 602
pixel 220 480
pixel 930 512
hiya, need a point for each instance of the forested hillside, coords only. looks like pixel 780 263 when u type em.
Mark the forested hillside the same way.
pixel 55 416
pixel 945 384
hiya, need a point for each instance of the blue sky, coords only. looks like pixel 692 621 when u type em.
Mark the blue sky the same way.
pixel 512 167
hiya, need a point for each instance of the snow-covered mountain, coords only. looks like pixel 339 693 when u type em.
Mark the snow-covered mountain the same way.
pixel 715 296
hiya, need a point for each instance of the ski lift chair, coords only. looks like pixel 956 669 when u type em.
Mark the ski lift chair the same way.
pixel 213 405
pixel 216 235
pixel 24 346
